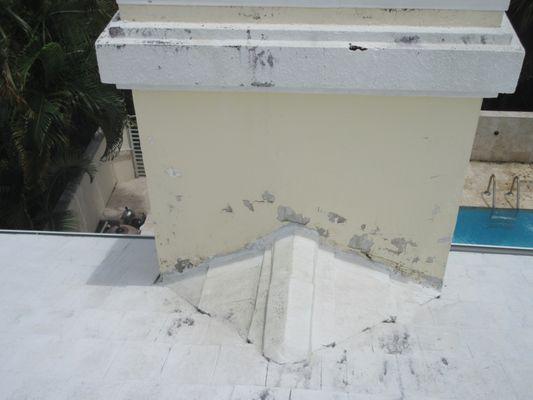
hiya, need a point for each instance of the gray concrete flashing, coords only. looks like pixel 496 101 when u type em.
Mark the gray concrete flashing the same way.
pixel 504 137
pixel 397 60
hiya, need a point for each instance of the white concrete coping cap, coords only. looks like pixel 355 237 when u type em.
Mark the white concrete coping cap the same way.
pixel 381 60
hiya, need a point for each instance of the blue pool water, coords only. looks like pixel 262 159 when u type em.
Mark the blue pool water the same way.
pixel 494 227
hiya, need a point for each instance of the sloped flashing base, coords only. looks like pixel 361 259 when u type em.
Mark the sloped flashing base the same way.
pixel 291 297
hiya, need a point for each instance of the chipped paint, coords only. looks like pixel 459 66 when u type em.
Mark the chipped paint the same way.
pixel 322 232
pixel 287 214
pixel 401 245
pixel 268 197
pixel 362 243
pixel 336 218
pixel 248 204
pixel 183 264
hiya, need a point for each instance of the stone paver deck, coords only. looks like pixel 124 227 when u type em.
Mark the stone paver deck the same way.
pixel 477 179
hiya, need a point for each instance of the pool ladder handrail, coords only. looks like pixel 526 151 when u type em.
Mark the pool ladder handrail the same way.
pixel 492 181
pixel 516 181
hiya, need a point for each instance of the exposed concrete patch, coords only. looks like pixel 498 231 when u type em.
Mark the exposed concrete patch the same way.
pixel 287 214
pixel 248 204
pixel 401 245
pixel 183 264
pixel 430 260
pixel 336 218
pixel 268 197
pixel 322 232
pixel 362 243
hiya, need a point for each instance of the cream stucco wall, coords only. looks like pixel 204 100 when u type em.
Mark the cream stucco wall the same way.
pixel 392 167
pixel 303 15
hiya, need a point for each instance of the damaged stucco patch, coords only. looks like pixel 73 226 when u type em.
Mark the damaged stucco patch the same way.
pixel 322 232
pixel 268 197
pixel 182 264
pixel 287 214
pixel 336 218
pixel 362 243
pixel 248 204
pixel 401 245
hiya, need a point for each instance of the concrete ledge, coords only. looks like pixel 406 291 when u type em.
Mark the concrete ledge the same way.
pixel 504 137
pixel 488 5
pixel 460 62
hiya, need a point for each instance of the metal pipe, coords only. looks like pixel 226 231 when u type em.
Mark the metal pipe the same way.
pixel 516 181
pixel 492 180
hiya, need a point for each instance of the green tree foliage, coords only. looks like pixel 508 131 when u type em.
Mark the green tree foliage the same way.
pixel 521 15
pixel 51 104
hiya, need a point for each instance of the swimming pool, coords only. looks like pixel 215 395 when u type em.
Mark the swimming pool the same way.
pixel 494 227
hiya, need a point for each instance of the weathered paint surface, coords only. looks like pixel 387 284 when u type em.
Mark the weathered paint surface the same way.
pixel 385 187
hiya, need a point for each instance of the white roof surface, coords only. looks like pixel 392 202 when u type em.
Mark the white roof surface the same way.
pixel 79 319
